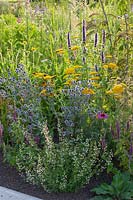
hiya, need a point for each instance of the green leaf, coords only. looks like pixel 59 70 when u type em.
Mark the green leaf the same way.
pixel 101 198
pixel 102 189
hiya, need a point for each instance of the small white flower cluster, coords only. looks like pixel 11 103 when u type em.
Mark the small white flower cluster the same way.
pixel 66 166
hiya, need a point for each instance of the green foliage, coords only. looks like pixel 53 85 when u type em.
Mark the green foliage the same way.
pixel 66 166
pixel 42 79
pixel 120 188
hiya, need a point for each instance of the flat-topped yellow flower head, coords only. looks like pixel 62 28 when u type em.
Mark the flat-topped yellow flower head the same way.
pixel 118 89
pixel 60 51
pixel 70 70
pixel 39 74
pixel 74 48
pixel 87 91
pixel 48 77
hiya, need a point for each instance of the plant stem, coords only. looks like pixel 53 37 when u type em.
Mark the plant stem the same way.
pixel 127 46
pixel 105 15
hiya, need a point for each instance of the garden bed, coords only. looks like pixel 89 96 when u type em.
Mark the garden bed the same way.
pixel 10 178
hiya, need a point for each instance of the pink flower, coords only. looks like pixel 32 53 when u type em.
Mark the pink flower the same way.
pixel 102 115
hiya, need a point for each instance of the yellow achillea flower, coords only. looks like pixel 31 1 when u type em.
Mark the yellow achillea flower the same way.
pixel 43 92
pixel 33 49
pixel 112 65
pixel 77 66
pixel 74 48
pixel 105 66
pixel 75 37
pixel 70 70
pixel 108 56
pixel 96 85
pixel 118 89
pixel 109 92
pixel 95 78
pixel 39 75
pixel 93 73
pixel 68 82
pixel 77 74
pixel 87 91
pixel 48 77
pixel 60 51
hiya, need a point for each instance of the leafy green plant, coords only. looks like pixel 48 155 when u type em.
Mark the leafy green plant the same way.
pixel 121 188
pixel 66 166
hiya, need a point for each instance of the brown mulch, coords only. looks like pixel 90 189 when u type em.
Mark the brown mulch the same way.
pixel 10 178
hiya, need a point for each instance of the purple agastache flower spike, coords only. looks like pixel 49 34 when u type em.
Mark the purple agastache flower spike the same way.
pixel 96 40
pixel 131 149
pixel 96 67
pixel 128 126
pixel 84 50
pixel 1 130
pixel 68 40
pixel 103 143
pixel 112 132
pixel 84 31
pixel 84 60
pixel 131 137
pixel 102 57
pixel 103 37
pixel 118 129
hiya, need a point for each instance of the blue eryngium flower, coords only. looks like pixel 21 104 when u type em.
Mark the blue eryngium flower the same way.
pixel 84 31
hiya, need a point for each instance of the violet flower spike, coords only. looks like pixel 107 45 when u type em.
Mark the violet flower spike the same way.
pixel 103 143
pixel 112 132
pixel 96 67
pixel 103 37
pixel 96 40
pixel 68 40
pixel 84 31
pixel 128 126
pixel 1 130
pixel 131 149
pixel 84 60
pixel 84 50
pixel 102 57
